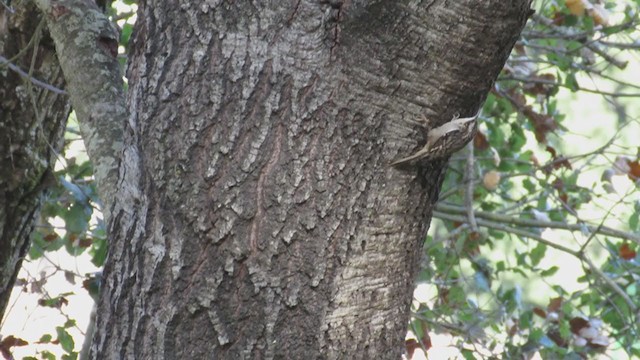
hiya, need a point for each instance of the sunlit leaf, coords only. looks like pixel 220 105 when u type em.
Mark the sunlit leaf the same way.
pixel 66 341
pixel 550 271
pixel 537 254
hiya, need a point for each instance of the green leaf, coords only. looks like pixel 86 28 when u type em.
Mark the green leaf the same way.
pixel 616 315
pixel 45 338
pixel 416 327
pixel 588 23
pixel 47 355
pixel 557 215
pixel 570 20
pixel 490 102
pixel 80 171
pixel 573 45
pixel 536 335
pixel 550 271
pixel 125 34
pixel 98 251
pixel 558 289
pixel 537 254
pixel 518 139
pixel 456 295
pixel 522 259
pixel 36 249
pixel 69 323
pixel 496 135
pixel 66 341
pixel 526 320
pixel 563 62
pixel 77 218
pixel 542 202
pixel 633 221
pixel 565 329
pixel 567 308
pixel 571 82
pixel 467 354
pixel 511 299
pixel 525 164
pixel 610 30
pixel 529 185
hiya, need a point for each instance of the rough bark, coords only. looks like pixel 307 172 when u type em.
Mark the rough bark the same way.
pixel 32 121
pixel 87 46
pixel 261 218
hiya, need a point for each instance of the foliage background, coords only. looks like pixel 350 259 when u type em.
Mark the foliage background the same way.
pixel 536 250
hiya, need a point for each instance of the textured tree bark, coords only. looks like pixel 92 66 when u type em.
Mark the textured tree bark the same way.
pixel 87 46
pixel 32 122
pixel 256 214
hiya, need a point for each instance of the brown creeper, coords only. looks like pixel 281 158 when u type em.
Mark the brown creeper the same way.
pixel 445 140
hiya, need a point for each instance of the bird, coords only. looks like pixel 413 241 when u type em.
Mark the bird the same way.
pixel 444 140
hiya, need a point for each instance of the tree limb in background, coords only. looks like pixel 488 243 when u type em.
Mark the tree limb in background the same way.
pixel 87 46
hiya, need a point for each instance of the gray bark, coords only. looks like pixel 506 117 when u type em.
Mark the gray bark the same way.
pixel 32 122
pixel 256 214
pixel 87 46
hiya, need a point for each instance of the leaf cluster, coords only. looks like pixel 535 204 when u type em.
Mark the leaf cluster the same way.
pixel 534 250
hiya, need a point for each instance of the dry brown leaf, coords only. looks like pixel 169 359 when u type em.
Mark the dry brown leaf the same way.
pixel 480 141
pixel 626 252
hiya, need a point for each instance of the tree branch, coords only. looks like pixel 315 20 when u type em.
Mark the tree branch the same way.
pixel 603 230
pixel 610 283
pixel 505 228
pixel 87 47
pixel 589 44
pixel 24 74
pixel 469 181
pixel 579 88
pixel 578 254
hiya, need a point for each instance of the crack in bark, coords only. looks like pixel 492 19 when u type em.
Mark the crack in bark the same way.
pixel 260 190
pixel 293 13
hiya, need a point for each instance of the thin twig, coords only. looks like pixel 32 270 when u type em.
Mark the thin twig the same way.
pixel 9 8
pixel 612 284
pixel 578 88
pixel 578 254
pixel 468 194
pixel 603 230
pixel 590 44
pixel 35 81
pixel 505 228
pixel 624 46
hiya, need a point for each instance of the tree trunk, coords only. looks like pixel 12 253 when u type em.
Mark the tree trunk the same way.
pixel 263 220
pixel 32 122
